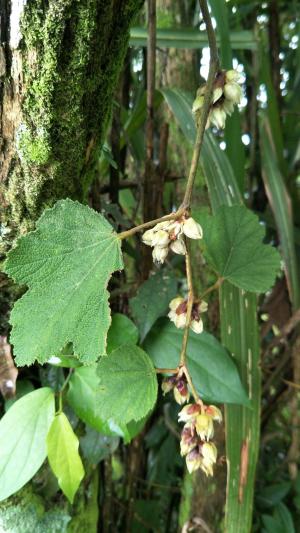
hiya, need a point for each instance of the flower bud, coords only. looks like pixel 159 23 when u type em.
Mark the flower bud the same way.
pixel 147 237
pixel 218 91
pixel 181 394
pixel 188 441
pixel 214 412
pixel 204 426
pixel 233 92
pixel 209 457
pixel 161 238
pixel 228 107
pixel 198 103
pixel 197 326
pixel 189 412
pixel 193 460
pixel 178 247
pixel 180 320
pixel 192 229
pixel 159 254
pixel 168 384
pixel 175 303
pixel 232 75
pixel 218 117
pixel 203 306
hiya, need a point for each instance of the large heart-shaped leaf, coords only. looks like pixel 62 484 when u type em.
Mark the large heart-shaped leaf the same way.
pixel 23 432
pixel 233 245
pixel 128 385
pixel 66 263
pixel 213 371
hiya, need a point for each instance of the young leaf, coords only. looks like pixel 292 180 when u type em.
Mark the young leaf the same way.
pixel 128 385
pixel 122 331
pixel 149 304
pixel 233 246
pixel 63 456
pixel 213 371
pixel 82 397
pixel 66 263
pixel 23 432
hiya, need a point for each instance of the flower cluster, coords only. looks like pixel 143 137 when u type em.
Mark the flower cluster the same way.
pixel 169 235
pixel 177 384
pixel 196 436
pixel 227 92
pixel 178 314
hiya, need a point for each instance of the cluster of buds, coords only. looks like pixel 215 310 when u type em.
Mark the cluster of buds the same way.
pixel 169 235
pixel 178 384
pixel 198 430
pixel 227 92
pixel 178 314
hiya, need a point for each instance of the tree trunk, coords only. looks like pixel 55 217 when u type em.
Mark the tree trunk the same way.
pixel 59 65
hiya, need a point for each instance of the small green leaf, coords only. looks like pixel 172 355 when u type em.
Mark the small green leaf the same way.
pixel 152 300
pixel 122 331
pixel 233 246
pixel 23 432
pixel 213 371
pixel 128 385
pixel 82 397
pixel 66 263
pixel 63 456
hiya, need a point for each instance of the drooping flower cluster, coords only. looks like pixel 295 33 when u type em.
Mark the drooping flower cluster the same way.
pixel 196 436
pixel 178 314
pixel 227 93
pixel 169 235
pixel 178 384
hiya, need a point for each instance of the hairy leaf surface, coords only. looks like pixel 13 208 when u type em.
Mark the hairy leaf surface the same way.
pixel 128 385
pixel 23 432
pixel 63 456
pixel 66 263
pixel 233 246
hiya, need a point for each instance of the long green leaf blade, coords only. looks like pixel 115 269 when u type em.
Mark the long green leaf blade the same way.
pixel 282 209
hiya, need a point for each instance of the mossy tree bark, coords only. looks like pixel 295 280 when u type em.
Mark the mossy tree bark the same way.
pixel 59 66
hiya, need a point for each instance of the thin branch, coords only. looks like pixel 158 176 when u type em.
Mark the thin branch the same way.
pixel 213 69
pixel 213 287
pixel 189 306
pixel 141 227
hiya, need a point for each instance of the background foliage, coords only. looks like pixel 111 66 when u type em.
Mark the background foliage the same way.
pixel 118 462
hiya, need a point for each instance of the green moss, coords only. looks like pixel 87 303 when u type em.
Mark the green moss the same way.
pixel 25 513
pixel 72 55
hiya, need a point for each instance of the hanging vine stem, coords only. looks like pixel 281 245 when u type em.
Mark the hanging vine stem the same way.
pixel 186 203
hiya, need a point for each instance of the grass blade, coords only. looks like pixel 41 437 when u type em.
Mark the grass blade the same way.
pixel 282 209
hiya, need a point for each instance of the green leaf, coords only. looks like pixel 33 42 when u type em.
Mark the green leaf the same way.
pixel 63 456
pixel 281 205
pixel 96 447
pixel 233 246
pixel 152 300
pixel 122 331
pixel 190 38
pixel 128 385
pixel 82 397
pixel 23 432
pixel 212 369
pixel 66 263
